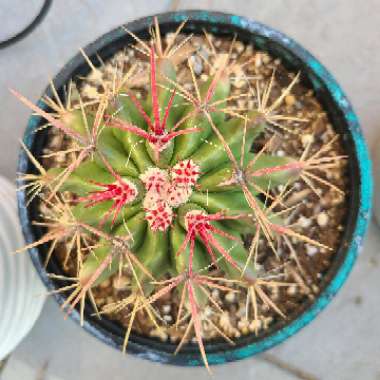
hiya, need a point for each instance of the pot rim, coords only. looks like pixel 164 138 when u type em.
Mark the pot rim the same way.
pixel 361 186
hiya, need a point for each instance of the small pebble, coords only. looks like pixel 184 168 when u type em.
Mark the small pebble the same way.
pixel 110 70
pixel 56 141
pixel 166 309
pixel 292 290
pixel 241 104
pixel 159 333
pixel 326 137
pixel 309 204
pixel 307 139
pixel 105 284
pixel 60 157
pixel 100 301
pixel 258 60
pixel 259 267
pixel 239 80
pixel 230 297
pixel 290 100
pixel 267 321
pixel 311 250
pixel 174 338
pixel 279 251
pixel 197 64
pixel 322 219
pixel 304 222
pixel 215 294
pixel 203 52
pixel 120 282
pixel 239 46
pixel 243 326
pixel 95 76
pixel 226 325
pixel 255 325
pixel 315 288
pixel 266 58
pixel 248 50
pixel 188 86
pixel 208 312
pixel 241 312
pixel 297 186
pixel 169 38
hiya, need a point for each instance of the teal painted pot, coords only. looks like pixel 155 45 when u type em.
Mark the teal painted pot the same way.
pixel 342 117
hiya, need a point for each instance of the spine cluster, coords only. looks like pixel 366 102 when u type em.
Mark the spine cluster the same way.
pixel 167 190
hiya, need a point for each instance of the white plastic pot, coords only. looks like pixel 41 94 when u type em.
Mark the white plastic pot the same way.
pixel 21 291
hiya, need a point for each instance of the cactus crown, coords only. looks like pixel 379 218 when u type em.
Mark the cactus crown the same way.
pixel 164 185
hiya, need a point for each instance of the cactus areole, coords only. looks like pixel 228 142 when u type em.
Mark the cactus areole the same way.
pixel 164 185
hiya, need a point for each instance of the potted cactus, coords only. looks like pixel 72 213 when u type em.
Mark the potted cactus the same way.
pixel 202 187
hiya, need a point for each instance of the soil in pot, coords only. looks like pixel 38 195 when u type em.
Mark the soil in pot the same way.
pixel 313 206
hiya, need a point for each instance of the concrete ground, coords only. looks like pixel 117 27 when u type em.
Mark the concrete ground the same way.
pixel 343 343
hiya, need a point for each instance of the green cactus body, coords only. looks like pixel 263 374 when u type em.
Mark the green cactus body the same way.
pixel 181 262
pixel 153 255
pixel 134 227
pixel 132 143
pixel 218 179
pixel 188 144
